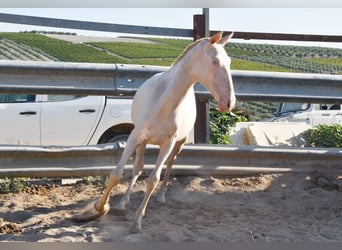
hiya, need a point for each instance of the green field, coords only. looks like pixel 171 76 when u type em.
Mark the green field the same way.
pixel 61 50
pixel 259 57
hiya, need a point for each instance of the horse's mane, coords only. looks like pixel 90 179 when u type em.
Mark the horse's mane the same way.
pixel 187 49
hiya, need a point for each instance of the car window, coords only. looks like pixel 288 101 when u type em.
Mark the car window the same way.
pixel 292 107
pixel 16 98
pixel 62 98
pixel 330 107
pixel 335 107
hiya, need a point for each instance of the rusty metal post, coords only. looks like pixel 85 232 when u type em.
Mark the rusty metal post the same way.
pixel 199 26
pixel 202 119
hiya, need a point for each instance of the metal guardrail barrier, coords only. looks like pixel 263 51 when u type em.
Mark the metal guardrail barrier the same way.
pixel 124 79
pixel 207 160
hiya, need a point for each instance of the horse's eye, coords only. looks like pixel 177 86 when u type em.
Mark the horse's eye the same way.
pixel 216 62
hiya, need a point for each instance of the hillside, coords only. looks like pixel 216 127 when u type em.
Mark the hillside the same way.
pixel 157 51
pixel 10 50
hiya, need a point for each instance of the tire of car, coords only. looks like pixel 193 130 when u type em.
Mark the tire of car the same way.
pixel 120 138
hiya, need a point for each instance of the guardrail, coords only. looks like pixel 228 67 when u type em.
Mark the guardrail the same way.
pixel 34 161
pixel 121 79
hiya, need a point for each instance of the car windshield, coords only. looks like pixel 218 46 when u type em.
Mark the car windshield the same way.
pixel 292 107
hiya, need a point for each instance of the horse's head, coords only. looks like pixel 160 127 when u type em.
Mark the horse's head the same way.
pixel 213 71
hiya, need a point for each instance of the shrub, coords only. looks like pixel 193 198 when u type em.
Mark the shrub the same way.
pixel 11 185
pixel 323 135
pixel 220 126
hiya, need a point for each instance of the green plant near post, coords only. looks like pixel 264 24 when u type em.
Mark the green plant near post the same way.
pixel 220 126
pixel 323 135
pixel 12 185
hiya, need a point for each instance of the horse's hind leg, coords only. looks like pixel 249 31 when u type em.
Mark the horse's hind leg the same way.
pixel 101 207
pixel 169 163
pixel 138 166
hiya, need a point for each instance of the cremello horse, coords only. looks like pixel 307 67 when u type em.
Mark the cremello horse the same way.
pixel 164 113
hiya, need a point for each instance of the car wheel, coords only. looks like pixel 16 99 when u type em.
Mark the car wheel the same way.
pixel 121 139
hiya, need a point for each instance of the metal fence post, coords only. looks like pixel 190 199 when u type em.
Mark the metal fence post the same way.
pixel 202 119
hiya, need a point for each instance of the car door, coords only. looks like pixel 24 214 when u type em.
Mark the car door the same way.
pixel 327 114
pixel 70 120
pixel 20 119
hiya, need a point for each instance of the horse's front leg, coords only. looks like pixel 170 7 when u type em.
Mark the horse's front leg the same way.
pixel 138 166
pixel 151 184
pixel 101 207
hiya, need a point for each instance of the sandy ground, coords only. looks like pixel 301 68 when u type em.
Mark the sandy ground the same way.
pixel 268 208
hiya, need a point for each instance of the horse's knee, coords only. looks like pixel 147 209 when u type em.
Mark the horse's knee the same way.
pixel 115 177
pixel 118 172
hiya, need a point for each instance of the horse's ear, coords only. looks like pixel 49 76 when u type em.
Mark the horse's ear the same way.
pixel 215 38
pixel 226 38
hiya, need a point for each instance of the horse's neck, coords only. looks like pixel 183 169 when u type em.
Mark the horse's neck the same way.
pixel 180 81
pixel 181 78
pixel 183 70
pixel 165 92
pixel 182 74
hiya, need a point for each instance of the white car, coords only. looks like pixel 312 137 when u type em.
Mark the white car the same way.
pixel 311 114
pixel 64 120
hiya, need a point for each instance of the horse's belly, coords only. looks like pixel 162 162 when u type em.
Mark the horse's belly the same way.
pixel 185 124
pixel 174 127
pixel 159 138
pixel 186 115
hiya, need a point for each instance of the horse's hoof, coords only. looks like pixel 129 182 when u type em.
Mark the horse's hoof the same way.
pixel 90 213
pixel 161 198
pixel 135 228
